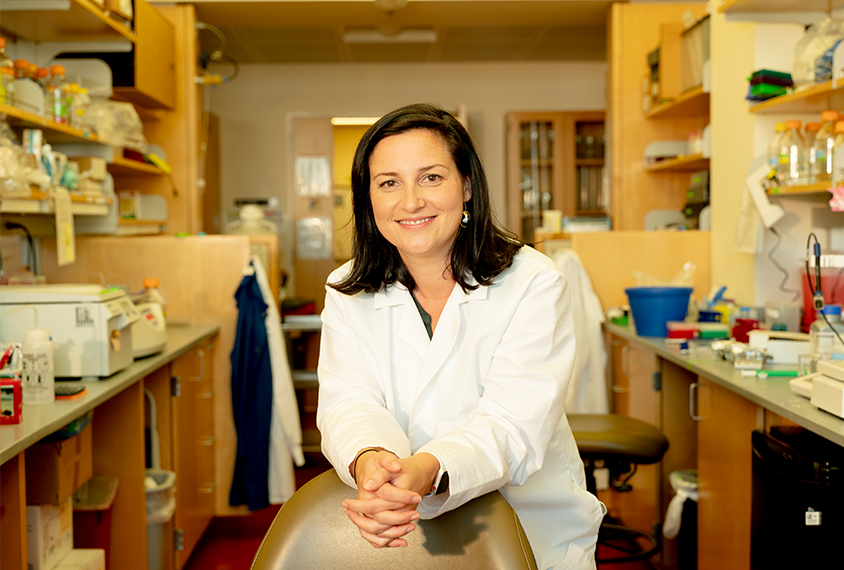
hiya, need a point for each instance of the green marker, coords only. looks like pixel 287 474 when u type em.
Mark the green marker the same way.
pixel 766 373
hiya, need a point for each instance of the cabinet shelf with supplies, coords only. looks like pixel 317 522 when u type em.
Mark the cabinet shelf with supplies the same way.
pixel 692 103
pixel 79 18
pixel 820 97
pixel 555 161
pixel 689 163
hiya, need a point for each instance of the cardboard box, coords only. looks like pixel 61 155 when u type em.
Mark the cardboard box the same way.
pixel 56 469
pixel 93 165
pixel 83 559
pixel 49 534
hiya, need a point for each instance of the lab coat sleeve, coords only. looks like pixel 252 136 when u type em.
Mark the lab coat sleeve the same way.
pixel 506 436
pixel 351 412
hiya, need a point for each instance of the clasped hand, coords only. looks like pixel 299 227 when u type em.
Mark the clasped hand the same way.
pixel 389 489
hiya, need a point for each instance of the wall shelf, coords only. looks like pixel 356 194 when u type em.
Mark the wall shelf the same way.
pixel 738 6
pixel 799 190
pixel 827 95
pixel 139 227
pixel 681 164
pixel 54 131
pixel 38 203
pixel 83 19
pixel 129 167
pixel 692 103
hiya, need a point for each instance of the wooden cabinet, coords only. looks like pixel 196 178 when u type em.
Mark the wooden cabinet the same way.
pixel 194 445
pixel 635 31
pixel 551 166
pixel 724 476
pixel 632 383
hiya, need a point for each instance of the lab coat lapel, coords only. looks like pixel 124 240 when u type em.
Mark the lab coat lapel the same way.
pixel 409 329
pixel 447 334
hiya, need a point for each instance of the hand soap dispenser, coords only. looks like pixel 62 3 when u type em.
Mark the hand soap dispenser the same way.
pixel 37 370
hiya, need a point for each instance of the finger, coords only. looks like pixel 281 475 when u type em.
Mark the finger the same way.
pixel 389 518
pixel 371 506
pixel 376 479
pixel 367 524
pixel 384 538
pixel 393 494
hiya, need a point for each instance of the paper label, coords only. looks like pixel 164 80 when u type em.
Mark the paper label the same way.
pixel 813 518
pixel 65 237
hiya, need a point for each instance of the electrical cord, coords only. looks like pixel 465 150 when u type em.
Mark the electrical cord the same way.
pixel 16 226
pixel 817 293
pixel 782 269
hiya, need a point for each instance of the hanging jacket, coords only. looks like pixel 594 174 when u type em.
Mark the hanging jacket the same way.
pixel 252 397
pixel 285 427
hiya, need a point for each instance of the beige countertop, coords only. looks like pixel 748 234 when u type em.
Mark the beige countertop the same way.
pixel 40 420
pixel 772 393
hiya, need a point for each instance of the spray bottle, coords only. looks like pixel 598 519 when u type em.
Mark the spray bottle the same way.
pixel 38 370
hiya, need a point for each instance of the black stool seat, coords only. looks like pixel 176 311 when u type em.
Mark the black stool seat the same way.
pixel 614 437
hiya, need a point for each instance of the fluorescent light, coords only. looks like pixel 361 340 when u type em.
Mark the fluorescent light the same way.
pixel 353 121
pixel 373 36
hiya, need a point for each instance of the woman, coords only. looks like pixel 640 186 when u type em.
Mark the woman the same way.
pixel 447 348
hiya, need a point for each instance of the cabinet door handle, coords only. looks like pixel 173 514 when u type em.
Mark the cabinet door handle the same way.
pixel 208 441
pixel 201 367
pixel 693 401
pixel 208 489
pixel 207 394
pixel 624 350
pixel 619 389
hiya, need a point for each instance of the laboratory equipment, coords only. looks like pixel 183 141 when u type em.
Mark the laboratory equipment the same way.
pixel 826 333
pixel 793 167
pixel 90 326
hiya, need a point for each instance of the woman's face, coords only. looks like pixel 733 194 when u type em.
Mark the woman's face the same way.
pixel 417 195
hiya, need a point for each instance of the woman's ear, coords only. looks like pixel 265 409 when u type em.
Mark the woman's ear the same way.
pixel 467 190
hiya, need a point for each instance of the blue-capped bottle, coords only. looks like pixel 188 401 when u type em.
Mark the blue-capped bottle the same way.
pixel 823 340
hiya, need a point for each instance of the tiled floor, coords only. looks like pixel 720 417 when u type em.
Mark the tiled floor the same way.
pixel 230 543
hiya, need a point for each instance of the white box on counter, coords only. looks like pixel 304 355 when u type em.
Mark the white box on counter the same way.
pixel 49 534
pixel 83 559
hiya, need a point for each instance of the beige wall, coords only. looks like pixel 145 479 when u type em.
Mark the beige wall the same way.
pixel 255 109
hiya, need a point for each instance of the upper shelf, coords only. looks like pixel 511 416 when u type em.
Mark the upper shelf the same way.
pixel 54 131
pixel 823 96
pixel 681 164
pixel 692 103
pixel 80 20
pixel 734 6
pixel 38 203
pixel 817 188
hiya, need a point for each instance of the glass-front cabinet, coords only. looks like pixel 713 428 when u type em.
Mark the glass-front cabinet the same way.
pixel 554 168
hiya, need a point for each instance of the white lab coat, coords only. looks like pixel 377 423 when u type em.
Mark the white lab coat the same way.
pixel 285 429
pixel 485 396
pixel 588 388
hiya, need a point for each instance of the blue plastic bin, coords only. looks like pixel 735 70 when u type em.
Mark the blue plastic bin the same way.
pixel 653 307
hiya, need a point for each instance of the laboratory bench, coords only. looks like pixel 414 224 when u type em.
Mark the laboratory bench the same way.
pixel 181 389
pixel 708 410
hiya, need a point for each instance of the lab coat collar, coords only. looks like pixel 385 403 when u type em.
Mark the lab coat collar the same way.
pixel 397 294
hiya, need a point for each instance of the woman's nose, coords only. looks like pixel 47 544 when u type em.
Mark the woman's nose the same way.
pixel 413 199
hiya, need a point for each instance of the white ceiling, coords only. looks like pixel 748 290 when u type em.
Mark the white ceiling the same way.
pixel 467 30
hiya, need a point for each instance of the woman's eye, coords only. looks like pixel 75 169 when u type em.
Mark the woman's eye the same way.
pixel 433 177
pixel 388 184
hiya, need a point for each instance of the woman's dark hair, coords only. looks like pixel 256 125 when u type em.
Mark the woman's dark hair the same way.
pixel 481 250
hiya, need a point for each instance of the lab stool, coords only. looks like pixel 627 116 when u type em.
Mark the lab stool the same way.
pixel 621 443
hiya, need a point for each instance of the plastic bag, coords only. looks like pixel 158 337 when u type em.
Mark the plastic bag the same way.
pixel 684 278
pixel 813 53
pixel 684 483
pixel 116 124
pixel 13 182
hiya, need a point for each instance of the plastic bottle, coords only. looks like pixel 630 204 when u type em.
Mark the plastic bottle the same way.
pixel 774 146
pixel 810 131
pixel 7 75
pixel 838 155
pixel 793 168
pixel 79 103
pixel 153 294
pixel 38 380
pixel 821 148
pixel 822 338
pixel 57 103
pixel 42 75
pixel 29 95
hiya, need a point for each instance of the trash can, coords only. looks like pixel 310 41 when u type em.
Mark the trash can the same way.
pixel 797 500
pixel 161 502
pixel 92 504
pixel 681 517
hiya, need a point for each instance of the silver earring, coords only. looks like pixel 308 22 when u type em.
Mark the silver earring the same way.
pixel 465 221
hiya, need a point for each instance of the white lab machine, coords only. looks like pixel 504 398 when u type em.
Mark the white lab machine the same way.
pixel 90 326
pixel 149 332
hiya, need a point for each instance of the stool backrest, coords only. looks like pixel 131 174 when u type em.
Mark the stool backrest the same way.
pixel 311 532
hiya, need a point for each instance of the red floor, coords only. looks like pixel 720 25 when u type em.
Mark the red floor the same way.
pixel 230 543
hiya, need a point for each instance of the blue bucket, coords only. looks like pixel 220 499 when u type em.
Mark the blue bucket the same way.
pixel 653 307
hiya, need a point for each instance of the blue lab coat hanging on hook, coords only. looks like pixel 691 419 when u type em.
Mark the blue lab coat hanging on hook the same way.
pixel 252 396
